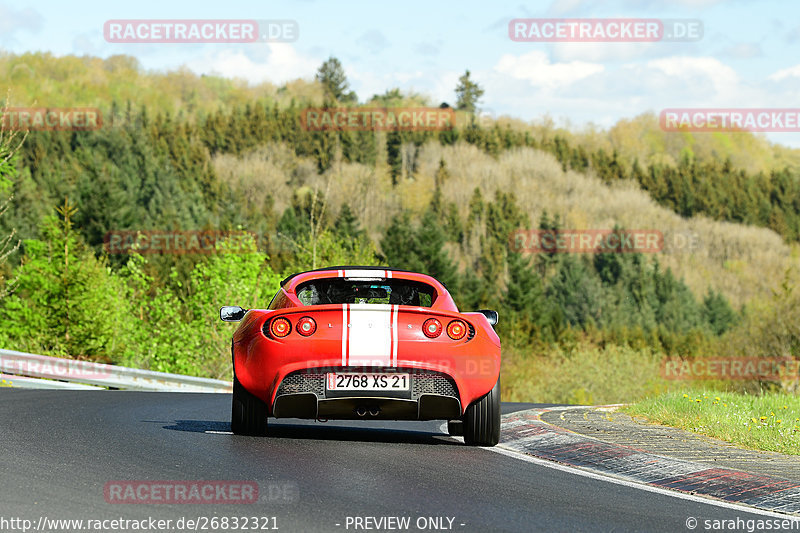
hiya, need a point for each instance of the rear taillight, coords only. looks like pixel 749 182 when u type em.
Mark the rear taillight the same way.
pixel 280 327
pixel 456 330
pixel 432 328
pixel 306 326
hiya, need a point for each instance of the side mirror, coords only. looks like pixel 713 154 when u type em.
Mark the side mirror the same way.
pixel 490 315
pixel 231 313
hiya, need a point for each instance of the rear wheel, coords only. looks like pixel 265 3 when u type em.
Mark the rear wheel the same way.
pixel 482 419
pixel 248 412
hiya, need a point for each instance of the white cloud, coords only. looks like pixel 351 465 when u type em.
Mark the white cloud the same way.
pixel 276 63
pixel 791 72
pixel 536 68
pixel 428 48
pixel 743 51
pixel 369 82
pixel 588 93
pixel 664 4
pixel 602 52
pixel 373 41
pixel 697 71
pixel 565 7
pixel 11 21
pixel 86 43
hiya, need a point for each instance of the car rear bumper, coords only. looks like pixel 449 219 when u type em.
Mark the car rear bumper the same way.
pixel 431 396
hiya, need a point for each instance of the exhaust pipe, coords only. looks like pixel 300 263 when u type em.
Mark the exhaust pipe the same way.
pixel 361 411
pixel 375 411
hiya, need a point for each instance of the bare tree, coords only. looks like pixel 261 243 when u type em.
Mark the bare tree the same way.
pixel 10 142
pixel 316 225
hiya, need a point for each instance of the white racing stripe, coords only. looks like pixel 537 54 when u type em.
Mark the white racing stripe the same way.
pixel 344 334
pixel 369 334
pixel 369 331
pixel 395 310
pixel 363 274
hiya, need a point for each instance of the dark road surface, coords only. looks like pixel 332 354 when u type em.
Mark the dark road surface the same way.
pixel 59 449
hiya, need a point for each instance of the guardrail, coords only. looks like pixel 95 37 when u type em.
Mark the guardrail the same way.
pixel 27 370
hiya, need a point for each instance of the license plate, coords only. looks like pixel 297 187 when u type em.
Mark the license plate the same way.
pixel 368 382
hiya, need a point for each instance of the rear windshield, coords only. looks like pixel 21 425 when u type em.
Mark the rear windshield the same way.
pixel 341 291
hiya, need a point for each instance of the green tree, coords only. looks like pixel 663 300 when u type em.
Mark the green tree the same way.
pixel 394 98
pixel 399 243
pixel 476 209
pixel 334 81
pixel 468 94
pixel 577 292
pixel 394 144
pixel 179 330
pixel 678 310
pixel 348 228
pixel 718 312
pixel 420 249
pixel 431 238
pixel 67 302
pixel 331 249
pixel 530 316
pixel 441 175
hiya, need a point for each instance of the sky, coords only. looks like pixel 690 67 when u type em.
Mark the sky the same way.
pixel 748 56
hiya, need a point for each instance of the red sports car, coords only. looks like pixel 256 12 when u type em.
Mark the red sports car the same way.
pixel 366 343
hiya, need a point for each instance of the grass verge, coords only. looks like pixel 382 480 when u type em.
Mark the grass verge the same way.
pixel 769 421
pixel 581 374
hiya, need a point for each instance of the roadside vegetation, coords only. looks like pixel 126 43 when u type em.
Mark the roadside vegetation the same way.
pixel 182 152
pixel 768 421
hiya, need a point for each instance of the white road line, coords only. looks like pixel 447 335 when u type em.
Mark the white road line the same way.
pixel 510 452
pixel 649 488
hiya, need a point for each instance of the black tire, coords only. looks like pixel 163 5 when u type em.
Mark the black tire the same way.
pixel 482 419
pixel 455 428
pixel 248 412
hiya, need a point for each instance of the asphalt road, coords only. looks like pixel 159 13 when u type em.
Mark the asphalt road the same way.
pixel 59 449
